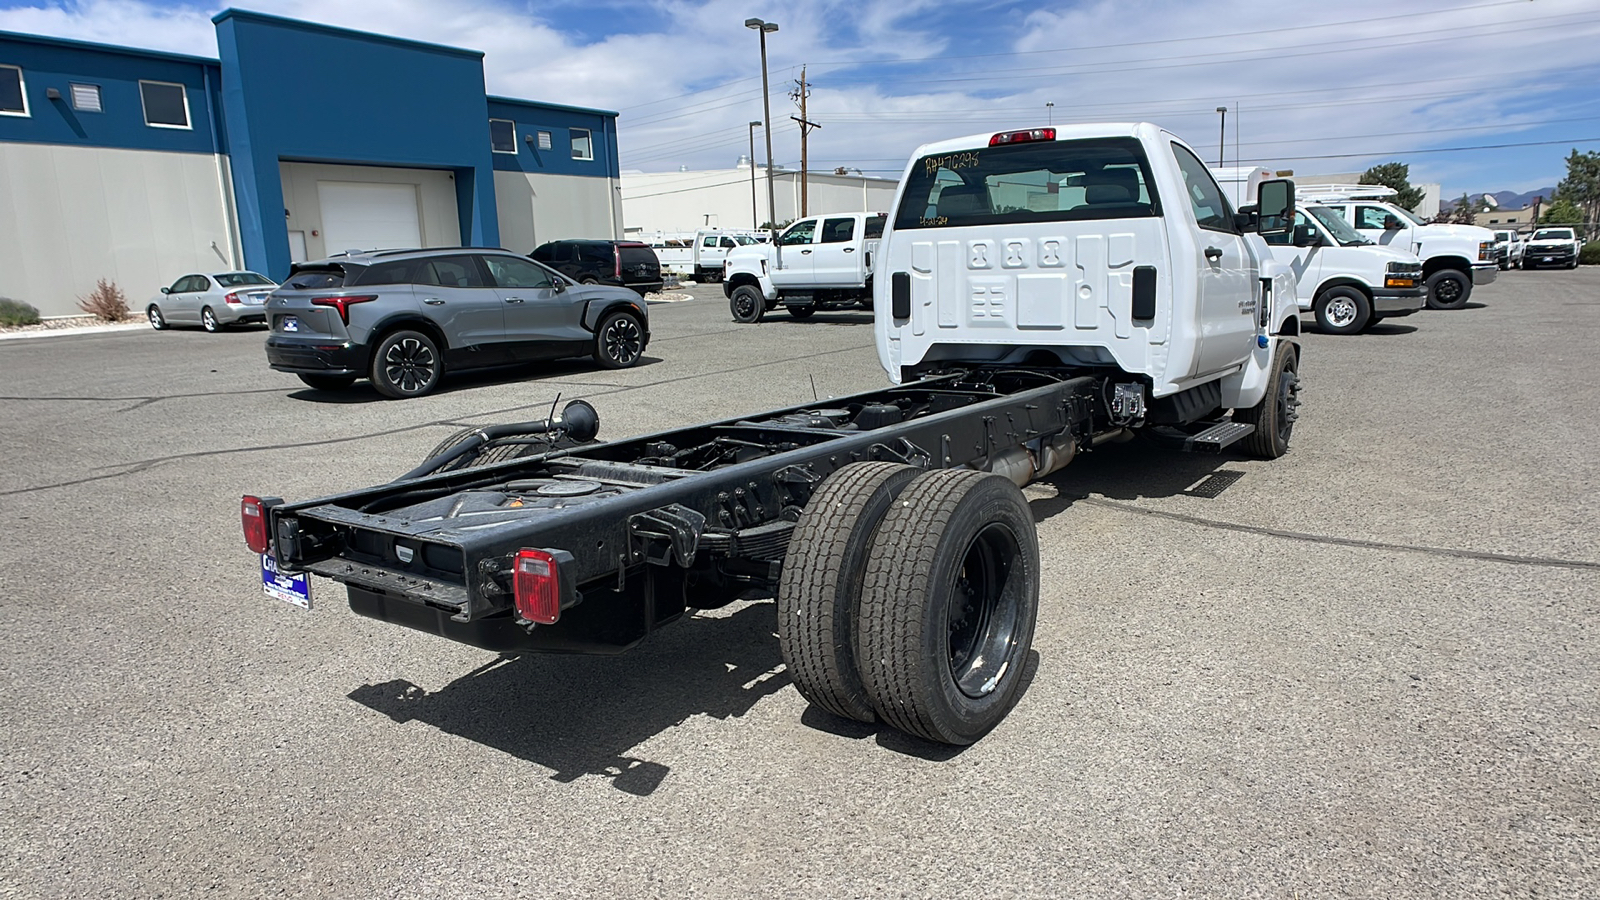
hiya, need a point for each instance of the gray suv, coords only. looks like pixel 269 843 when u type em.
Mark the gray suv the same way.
pixel 404 317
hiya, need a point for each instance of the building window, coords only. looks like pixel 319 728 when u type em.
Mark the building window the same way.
pixel 545 141
pixel 166 105
pixel 86 97
pixel 582 144
pixel 503 136
pixel 13 94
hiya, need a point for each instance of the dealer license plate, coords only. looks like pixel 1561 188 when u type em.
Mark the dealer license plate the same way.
pixel 289 323
pixel 294 589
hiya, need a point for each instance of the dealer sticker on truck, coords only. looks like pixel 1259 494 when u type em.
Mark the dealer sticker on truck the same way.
pixel 294 589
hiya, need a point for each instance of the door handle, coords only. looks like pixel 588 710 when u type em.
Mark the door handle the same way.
pixel 805 252
pixel 849 249
pixel 1213 253
pixel 433 301
pixel 513 299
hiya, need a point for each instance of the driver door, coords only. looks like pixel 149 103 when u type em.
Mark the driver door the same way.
pixel 542 315
pixel 794 255
pixel 1383 227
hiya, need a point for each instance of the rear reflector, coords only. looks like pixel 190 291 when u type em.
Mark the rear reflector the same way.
pixel 342 304
pixel 253 516
pixel 1023 137
pixel 536 585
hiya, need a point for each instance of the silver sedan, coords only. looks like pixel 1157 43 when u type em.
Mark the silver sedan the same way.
pixel 213 301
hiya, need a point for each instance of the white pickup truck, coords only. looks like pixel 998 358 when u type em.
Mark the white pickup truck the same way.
pixel 819 262
pixel 1508 247
pixel 1345 280
pixel 1552 247
pixel 1454 257
pixel 700 254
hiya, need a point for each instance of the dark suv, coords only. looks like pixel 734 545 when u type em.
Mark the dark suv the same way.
pixel 628 264
pixel 403 317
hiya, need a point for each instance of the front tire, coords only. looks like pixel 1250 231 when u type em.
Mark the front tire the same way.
pixel 1342 310
pixel 618 342
pixel 1448 289
pixel 819 593
pixel 1275 415
pixel 327 382
pixel 208 321
pixel 157 320
pixel 406 364
pixel 948 605
pixel 747 305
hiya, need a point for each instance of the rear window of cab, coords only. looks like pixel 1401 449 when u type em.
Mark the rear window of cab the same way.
pixel 1043 181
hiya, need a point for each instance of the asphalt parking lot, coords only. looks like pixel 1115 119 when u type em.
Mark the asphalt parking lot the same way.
pixel 1366 669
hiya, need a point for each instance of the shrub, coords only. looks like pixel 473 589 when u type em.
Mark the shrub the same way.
pixel 15 312
pixel 1590 254
pixel 105 302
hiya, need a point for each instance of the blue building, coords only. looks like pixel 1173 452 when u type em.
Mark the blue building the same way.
pixel 302 140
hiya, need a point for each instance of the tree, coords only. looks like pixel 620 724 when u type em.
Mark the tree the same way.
pixel 1581 188
pixel 1561 211
pixel 1396 175
pixel 1462 212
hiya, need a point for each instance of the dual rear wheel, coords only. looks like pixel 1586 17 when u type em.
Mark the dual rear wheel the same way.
pixel 911 597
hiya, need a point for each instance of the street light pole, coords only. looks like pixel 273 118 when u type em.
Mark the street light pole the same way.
pixel 765 28
pixel 1050 112
pixel 755 217
pixel 1222 134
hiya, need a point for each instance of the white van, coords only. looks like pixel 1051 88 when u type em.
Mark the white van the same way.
pixel 1345 280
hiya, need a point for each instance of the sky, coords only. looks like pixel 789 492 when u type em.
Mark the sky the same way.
pixel 1477 95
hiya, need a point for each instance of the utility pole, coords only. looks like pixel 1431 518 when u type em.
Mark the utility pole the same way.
pixel 800 94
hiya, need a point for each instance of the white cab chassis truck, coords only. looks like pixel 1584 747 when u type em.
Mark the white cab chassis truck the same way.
pixel 1454 257
pixel 700 254
pixel 1552 247
pixel 1347 282
pixel 1046 293
pixel 819 262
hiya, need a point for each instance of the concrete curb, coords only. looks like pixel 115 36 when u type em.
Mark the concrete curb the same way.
pixel 64 332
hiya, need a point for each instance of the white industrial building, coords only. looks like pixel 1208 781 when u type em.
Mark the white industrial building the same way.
pixel 657 202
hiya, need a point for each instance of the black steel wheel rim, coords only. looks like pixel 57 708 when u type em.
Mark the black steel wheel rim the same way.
pixel 622 340
pixel 744 305
pixel 1449 289
pixel 984 612
pixel 409 365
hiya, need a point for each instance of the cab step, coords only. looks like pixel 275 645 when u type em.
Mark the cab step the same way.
pixel 1213 438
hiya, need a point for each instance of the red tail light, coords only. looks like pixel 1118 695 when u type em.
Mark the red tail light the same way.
pixel 232 298
pixel 253 516
pixel 342 304
pixel 1023 137
pixel 536 585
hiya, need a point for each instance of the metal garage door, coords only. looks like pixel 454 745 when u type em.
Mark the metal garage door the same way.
pixel 365 216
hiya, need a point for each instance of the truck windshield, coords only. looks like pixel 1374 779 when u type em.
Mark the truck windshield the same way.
pixel 1337 227
pixel 1044 181
pixel 1554 234
pixel 1415 219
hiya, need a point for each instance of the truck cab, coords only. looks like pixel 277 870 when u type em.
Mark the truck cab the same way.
pixel 1093 247
pixel 1347 282
pixel 1455 258
pixel 818 262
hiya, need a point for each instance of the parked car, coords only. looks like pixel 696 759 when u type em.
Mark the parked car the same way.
pixel 1552 247
pixel 1508 246
pixel 629 264
pixel 213 301
pixel 403 318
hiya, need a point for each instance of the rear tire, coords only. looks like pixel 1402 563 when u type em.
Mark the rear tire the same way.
pixel 1342 310
pixel 406 364
pixel 819 593
pixel 1275 415
pixel 1448 289
pixel 747 305
pixel 327 382
pixel 948 606
pixel 208 321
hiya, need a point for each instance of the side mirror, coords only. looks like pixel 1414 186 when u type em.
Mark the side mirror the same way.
pixel 1275 205
pixel 166 290
pixel 1306 236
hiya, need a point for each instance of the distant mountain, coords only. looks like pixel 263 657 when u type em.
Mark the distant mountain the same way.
pixel 1514 200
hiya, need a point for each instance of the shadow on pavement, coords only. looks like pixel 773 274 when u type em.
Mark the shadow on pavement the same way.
pixel 1135 469
pixel 363 392
pixel 582 715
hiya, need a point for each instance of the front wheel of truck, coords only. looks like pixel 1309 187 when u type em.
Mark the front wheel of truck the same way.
pixel 1342 310
pixel 948 605
pixel 1275 415
pixel 1449 289
pixel 747 305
